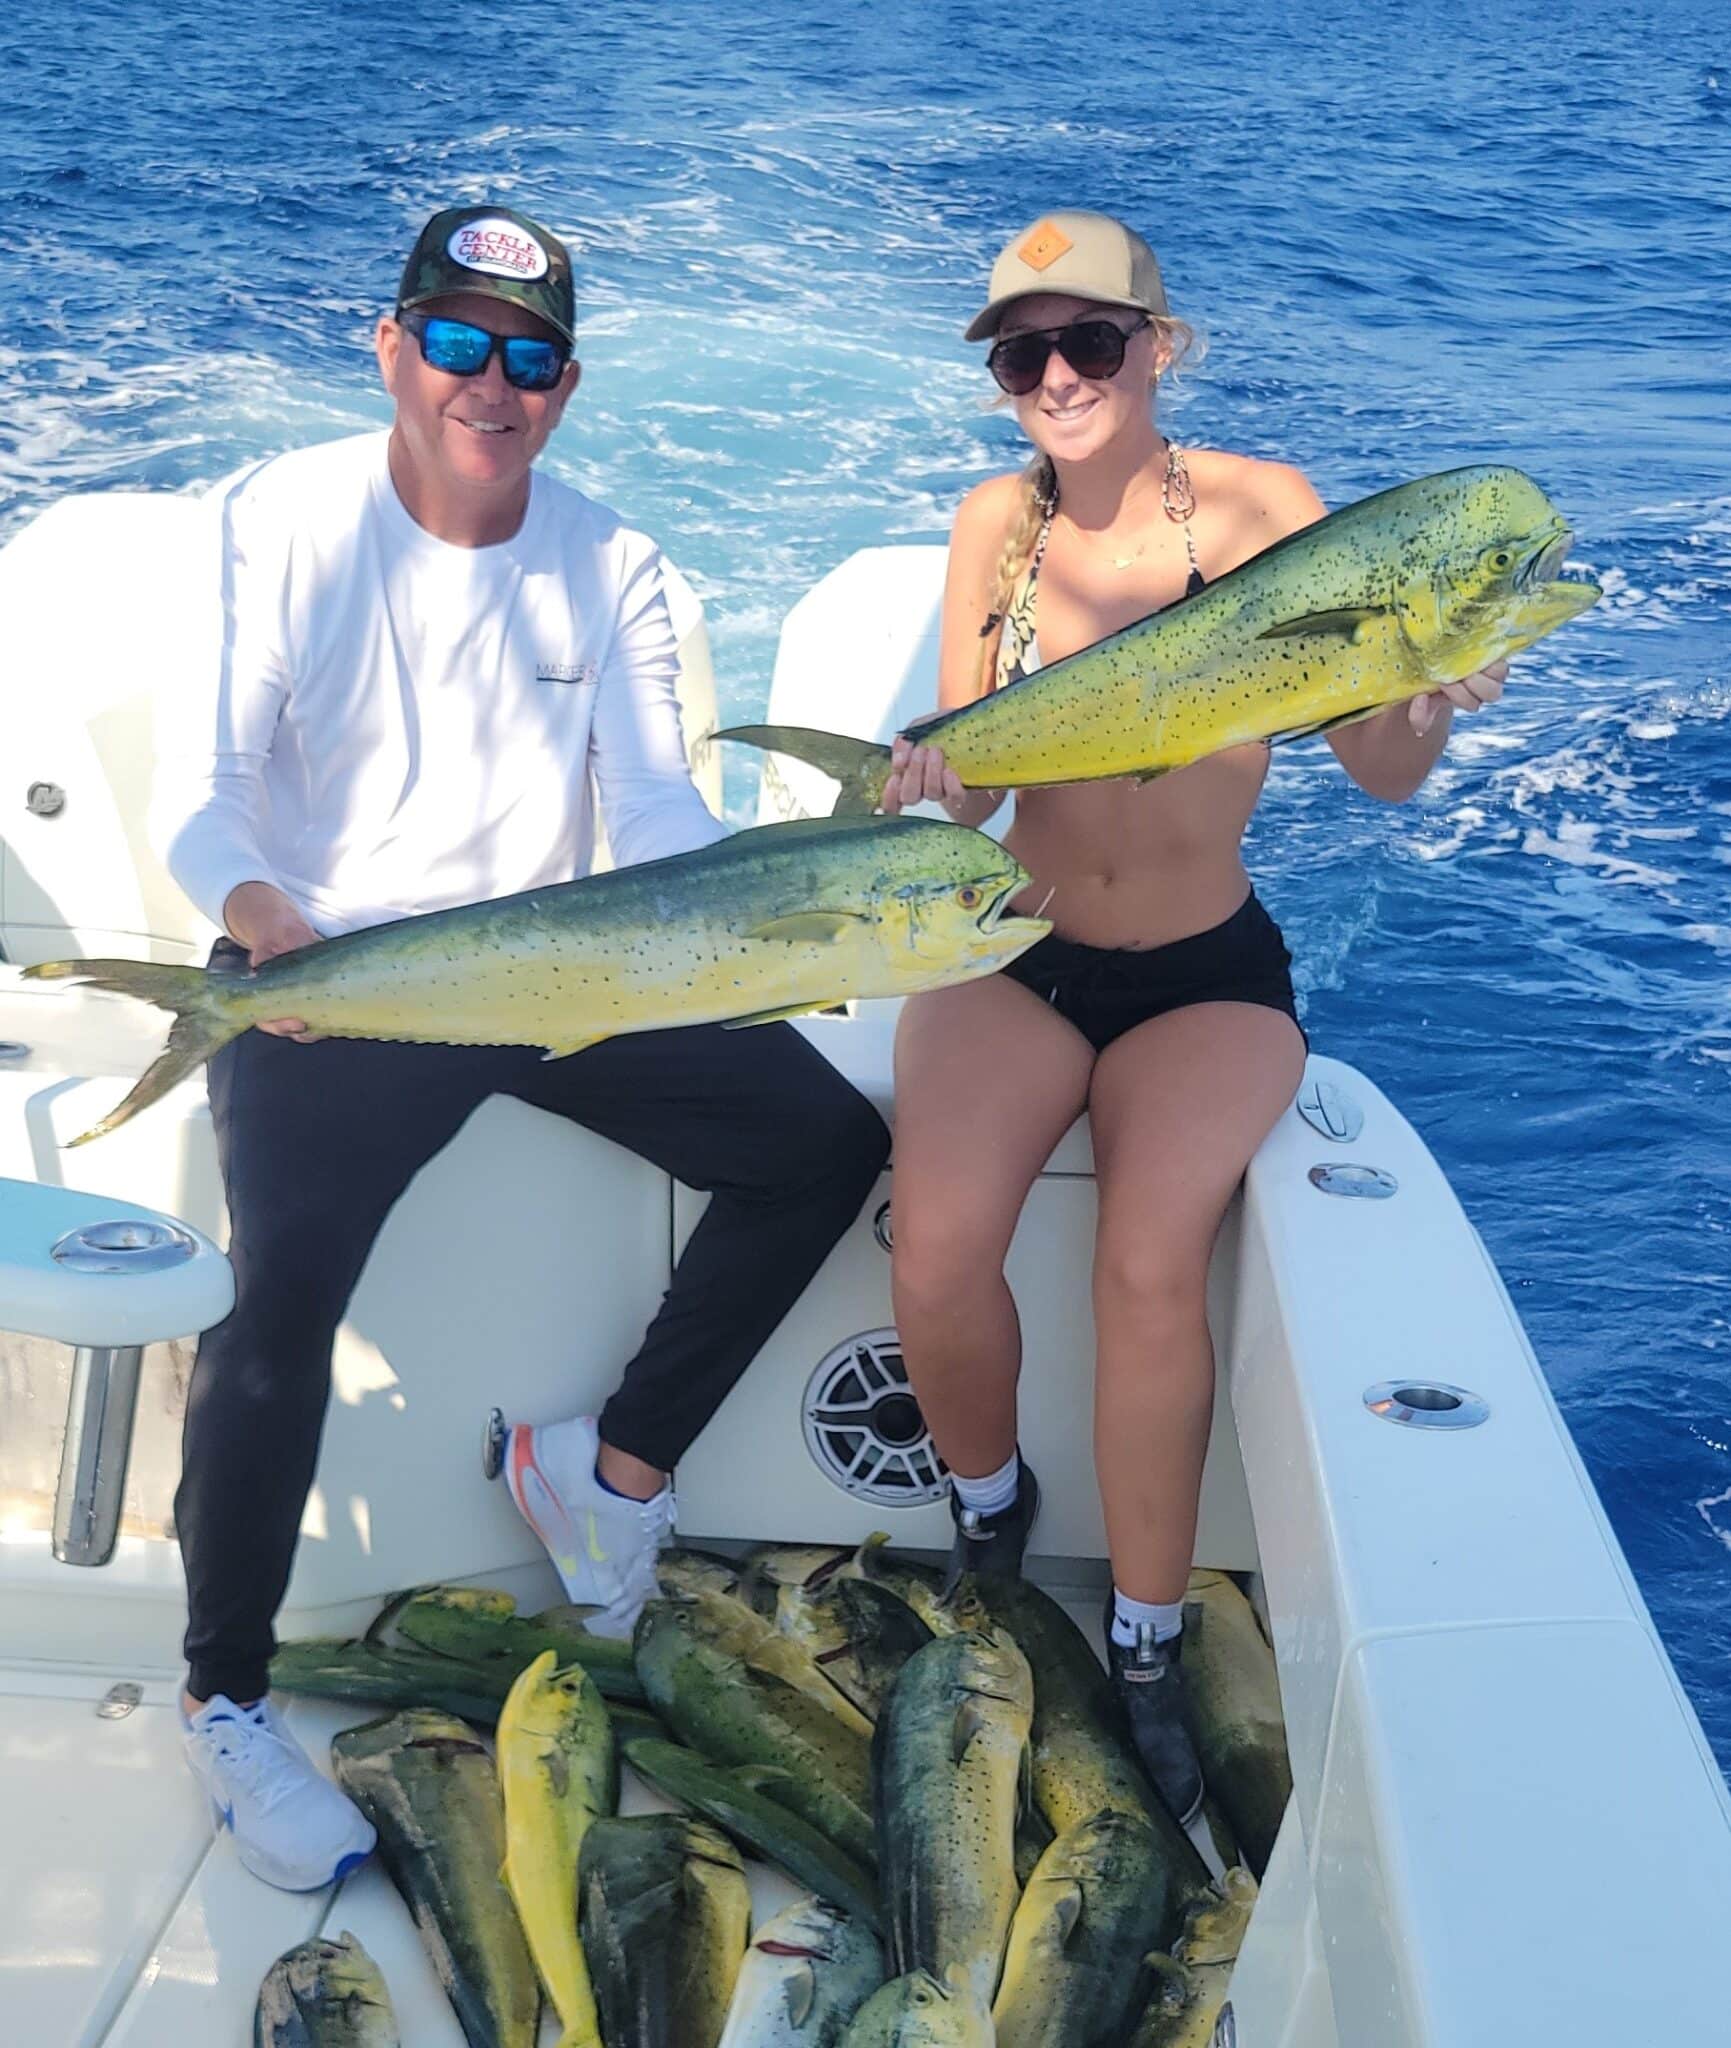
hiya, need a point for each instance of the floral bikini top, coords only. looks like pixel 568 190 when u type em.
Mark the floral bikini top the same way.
pixel 1018 646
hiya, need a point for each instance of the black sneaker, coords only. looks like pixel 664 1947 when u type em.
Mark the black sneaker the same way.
pixel 1149 1682
pixel 992 1545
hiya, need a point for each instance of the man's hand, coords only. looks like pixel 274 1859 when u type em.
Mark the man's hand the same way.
pixel 263 920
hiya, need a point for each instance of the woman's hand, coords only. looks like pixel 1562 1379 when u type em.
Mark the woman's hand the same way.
pixel 265 921
pixel 1482 687
pixel 921 775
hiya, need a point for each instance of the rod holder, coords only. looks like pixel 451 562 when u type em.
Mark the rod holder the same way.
pixel 94 1457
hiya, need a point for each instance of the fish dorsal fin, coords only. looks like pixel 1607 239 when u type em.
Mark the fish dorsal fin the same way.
pixel 809 927
pixel 1353 621
pixel 801 1982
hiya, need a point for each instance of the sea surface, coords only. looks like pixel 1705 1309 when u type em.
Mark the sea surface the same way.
pixel 1414 236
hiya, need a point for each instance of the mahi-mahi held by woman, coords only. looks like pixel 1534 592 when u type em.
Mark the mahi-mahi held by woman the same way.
pixel 1383 600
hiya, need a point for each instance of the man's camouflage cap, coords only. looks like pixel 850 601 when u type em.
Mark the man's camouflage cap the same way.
pixel 499 253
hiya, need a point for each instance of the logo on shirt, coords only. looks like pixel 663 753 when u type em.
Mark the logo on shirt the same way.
pixel 566 672
pixel 499 247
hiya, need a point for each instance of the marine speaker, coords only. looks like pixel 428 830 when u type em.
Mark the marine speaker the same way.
pixel 864 1428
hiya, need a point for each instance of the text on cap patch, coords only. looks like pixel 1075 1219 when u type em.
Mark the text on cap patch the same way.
pixel 499 247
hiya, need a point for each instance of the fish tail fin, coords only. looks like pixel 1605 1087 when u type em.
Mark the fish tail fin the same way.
pixel 860 766
pixel 204 1021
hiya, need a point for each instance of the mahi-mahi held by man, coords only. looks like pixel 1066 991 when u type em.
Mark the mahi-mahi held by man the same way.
pixel 1379 602
pixel 773 922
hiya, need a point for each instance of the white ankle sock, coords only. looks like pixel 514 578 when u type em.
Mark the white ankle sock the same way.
pixel 1127 1615
pixel 994 1493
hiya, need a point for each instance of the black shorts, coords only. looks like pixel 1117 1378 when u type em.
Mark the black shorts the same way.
pixel 1105 990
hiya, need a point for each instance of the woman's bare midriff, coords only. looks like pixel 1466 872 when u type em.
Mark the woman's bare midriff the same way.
pixel 1140 864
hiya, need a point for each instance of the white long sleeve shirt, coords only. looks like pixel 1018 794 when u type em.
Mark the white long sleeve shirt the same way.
pixel 386 724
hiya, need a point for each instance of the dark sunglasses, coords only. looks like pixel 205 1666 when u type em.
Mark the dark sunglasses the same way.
pixel 464 351
pixel 1092 348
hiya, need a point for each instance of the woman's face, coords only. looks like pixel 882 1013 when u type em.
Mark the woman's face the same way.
pixel 1071 417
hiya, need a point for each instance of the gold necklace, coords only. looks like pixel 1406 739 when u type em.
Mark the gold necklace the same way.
pixel 1177 501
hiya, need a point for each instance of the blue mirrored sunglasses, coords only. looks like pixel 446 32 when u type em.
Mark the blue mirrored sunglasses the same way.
pixel 464 351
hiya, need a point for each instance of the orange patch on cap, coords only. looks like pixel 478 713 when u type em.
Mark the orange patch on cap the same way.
pixel 1045 245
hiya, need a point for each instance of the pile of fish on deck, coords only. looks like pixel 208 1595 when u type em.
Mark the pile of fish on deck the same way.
pixel 948 1776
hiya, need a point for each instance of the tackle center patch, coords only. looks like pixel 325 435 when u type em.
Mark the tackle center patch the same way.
pixel 498 247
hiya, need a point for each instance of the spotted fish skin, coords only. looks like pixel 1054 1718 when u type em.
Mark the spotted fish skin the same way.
pixel 664 1919
pixel 1074 1971
pixel 1379 602
pixel 772 922
pixel 426 1782
pixel 859 1633
pixel 325 1994
pixel 559 1772
pixel 1234 1695
pixel 949 1768
pixel 916 2011
pixel 738 1715
pixel 1083 1759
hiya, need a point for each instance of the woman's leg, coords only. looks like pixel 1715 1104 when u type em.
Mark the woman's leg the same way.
pixel 988 1079
pixel 1179 1107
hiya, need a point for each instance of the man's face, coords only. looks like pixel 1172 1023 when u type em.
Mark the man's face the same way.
pixel 470 433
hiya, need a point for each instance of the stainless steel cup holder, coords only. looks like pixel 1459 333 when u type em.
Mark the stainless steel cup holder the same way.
pixel 1427 1404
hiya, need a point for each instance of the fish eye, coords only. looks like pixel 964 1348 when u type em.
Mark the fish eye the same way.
pixel 969 897
pixel 1502 559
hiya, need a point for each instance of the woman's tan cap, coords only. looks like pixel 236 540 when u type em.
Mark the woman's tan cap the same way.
pixel 1081 255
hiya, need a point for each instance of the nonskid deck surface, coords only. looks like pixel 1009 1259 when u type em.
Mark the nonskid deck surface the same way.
pixel 126 1918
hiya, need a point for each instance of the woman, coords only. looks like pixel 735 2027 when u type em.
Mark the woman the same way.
pixel 1161 1004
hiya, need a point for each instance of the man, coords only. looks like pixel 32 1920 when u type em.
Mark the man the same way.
pixel 427 647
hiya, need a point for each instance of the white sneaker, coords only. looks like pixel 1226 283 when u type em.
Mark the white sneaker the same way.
pixel 602 1545
pixel 291 1825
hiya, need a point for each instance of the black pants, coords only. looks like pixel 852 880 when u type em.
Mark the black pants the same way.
pixel 317 1142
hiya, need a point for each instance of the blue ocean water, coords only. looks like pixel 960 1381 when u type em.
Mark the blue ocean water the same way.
pixel 1414 237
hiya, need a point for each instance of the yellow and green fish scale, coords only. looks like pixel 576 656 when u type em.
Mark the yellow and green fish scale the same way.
pixel 1377 603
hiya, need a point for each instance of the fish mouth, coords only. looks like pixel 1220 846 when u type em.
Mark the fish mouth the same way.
pixel 1541 599
pixel 992 916
pixel 1000 929
pixel 1545 555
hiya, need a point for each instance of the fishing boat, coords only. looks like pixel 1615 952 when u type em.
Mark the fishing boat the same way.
pixel 1506 1824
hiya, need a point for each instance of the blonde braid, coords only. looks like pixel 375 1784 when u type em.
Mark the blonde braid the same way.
pixel 1036 497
